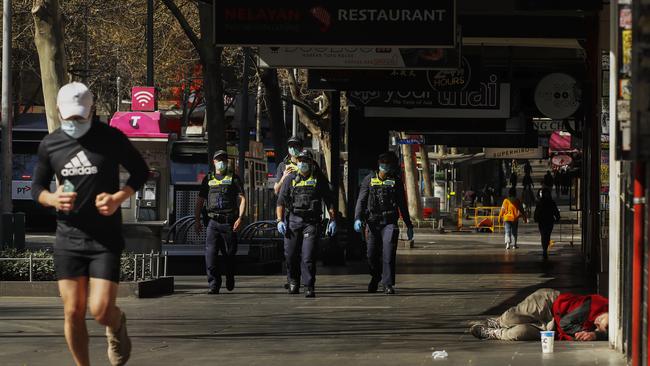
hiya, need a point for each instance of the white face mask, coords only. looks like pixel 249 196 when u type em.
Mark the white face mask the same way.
pixel 220 166
pixel 293 151
pixel 303 167
pixel 75 128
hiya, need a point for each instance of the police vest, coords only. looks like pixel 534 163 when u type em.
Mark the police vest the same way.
pixel 222 195
pixel 382 203
pixel 304 197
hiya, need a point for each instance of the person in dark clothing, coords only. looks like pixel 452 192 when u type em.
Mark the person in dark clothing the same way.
pixel 565 181
pixel 557 182
pixel 528 170
pixel 527 182
pixel 221 190
pixel 85 157
pixel 548 180
pixel 381 195
pixel 301 196
pixel 572 317
pixel 513 179
pixel 546 214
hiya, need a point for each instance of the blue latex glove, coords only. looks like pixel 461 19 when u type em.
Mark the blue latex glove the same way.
pixel 357 226
pixel 331 228
pixel 282 228
pixel 409 233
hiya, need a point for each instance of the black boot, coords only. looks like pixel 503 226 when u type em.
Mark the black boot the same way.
pixel 294 288
pixel 310 292
pixel 373 285
pixel 230 282
pixel 389 290
pixel 213 291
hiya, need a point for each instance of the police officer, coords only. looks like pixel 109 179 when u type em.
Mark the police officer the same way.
pixel 301 196
pixel 288 167
pixel 381 195
pixel 221 189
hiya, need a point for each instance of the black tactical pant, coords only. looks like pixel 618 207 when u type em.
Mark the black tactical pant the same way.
pixel 300 248
pixel 219 238
pixel 382 243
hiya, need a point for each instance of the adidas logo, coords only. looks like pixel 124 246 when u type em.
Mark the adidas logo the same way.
pixel 79 165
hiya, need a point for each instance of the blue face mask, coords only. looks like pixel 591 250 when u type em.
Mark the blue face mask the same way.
pixel 303 166
pixel 293 151
pixel 220 166
pixel 75 128
pixel 384 168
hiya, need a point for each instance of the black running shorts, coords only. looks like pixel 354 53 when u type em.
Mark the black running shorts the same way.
pixel 77 255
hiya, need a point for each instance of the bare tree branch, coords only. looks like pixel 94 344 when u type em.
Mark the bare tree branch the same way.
pixel 189 32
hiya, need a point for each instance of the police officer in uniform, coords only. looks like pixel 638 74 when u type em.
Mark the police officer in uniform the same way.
pixel 301 197
pixel 221 190
pixel 288 167
pixel 381 195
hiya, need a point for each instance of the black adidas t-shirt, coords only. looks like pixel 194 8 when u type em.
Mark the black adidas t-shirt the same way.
pixel 91 164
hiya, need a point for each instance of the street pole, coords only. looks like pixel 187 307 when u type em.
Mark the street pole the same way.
pixel 150 43
pixel 294 120
pixel 243 122
pixel 6 109
pixel 7 224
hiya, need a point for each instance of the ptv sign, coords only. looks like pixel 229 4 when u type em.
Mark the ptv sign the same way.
pixel 143 98
pixel 375 23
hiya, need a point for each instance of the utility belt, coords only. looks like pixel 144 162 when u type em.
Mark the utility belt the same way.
pixel 307 216
pixel 383 218
pixel 222 218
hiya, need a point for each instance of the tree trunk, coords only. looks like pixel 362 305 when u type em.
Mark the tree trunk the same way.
pixel 410 176
pixel 273 100
pixel 212 83
pixel 424 159
pixel 48 37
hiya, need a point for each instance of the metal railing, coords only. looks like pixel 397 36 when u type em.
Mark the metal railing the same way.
pixel 145 265
pixel 484 217
pixel 152 270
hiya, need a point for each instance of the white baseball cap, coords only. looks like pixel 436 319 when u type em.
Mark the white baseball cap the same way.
pixel 74 99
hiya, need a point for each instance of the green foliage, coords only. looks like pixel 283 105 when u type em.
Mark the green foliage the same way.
pixel 43 270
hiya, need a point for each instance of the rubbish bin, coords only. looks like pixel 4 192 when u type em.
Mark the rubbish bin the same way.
pixel 431 208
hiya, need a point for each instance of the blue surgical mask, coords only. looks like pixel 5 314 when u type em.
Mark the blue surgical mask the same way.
pixel 384 168
pixel 303 166
pixel 293 151
pixel 75 128
pixel 220 166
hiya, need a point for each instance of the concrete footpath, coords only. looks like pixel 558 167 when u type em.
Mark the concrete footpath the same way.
pixel 444 283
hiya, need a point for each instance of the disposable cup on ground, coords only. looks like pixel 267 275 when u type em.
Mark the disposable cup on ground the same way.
pixel 548 339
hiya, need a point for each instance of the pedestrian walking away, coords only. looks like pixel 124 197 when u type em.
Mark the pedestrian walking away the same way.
pixel 381 201
pixel 511 211
pixel 85 156
pixel 302 198
pixel 221 190
pixel 546 214
pixel 548 180
pixel 572 317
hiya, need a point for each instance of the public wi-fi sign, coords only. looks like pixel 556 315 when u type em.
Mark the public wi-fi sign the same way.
pixel 143 98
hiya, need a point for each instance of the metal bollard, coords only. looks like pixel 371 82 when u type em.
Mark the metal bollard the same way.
pixel 151 264
pixel 142 277
pixel 31 269
pixel 135 268
pixel 165 268
pixel 158 265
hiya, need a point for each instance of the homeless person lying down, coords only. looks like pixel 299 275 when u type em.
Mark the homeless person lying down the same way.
pixel 572 317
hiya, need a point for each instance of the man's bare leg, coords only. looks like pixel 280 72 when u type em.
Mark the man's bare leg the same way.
pixel 102 303
pixel 74 292
pixel 103 308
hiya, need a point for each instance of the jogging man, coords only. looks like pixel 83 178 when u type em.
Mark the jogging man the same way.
pixel 85 156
